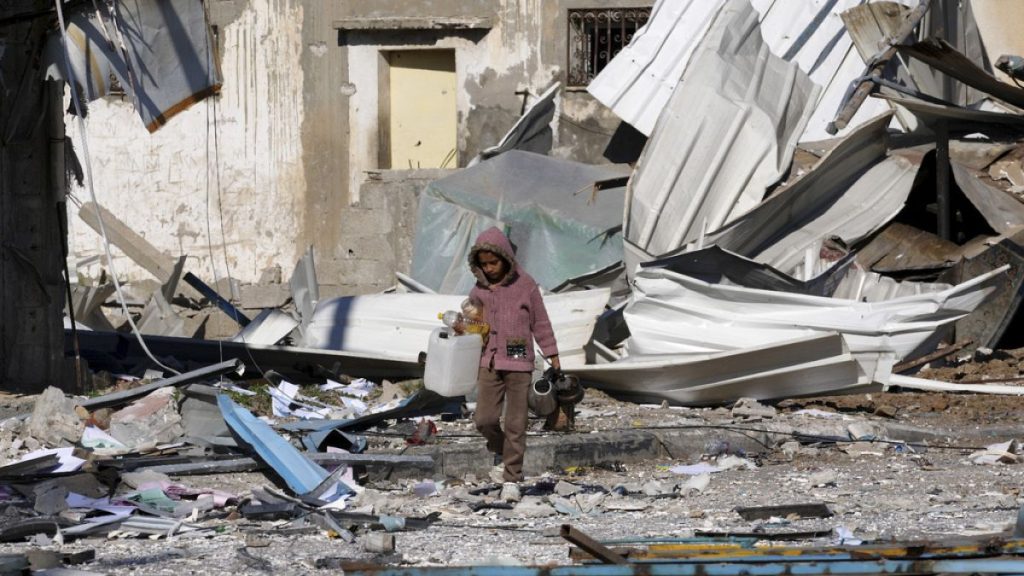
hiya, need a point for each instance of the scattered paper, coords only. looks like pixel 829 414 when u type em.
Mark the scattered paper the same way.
pixel 695 469
pixel 95 438
pixel 68 462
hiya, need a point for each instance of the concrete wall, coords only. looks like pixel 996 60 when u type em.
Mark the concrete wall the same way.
pixel 297 134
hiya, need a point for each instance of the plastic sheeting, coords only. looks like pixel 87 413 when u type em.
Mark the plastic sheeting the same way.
pixel 548 207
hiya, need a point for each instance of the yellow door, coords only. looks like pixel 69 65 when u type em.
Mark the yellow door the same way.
pixel 422 109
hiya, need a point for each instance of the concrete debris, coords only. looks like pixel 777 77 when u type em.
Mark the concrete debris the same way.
pixel 751 408
pixel 54 421
pixel 153 419
pixel 762 314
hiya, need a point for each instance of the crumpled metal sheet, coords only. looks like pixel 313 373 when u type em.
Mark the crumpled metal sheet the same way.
pixel 638 83
pixel 675 314
pixel 726 135
pixel 171 60
pixel 853 191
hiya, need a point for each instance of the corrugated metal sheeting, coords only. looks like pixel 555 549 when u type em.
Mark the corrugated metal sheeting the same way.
pixel 728 133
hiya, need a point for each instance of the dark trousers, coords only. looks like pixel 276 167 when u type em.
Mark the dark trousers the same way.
pixel 496 388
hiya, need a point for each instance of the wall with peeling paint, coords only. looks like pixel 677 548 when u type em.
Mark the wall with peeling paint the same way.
pixel 241 186
pixel 297 133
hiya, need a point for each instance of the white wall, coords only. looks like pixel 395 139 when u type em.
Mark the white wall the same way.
pixel 159 183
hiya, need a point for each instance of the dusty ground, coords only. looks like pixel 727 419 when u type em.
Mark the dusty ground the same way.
pixel 875 490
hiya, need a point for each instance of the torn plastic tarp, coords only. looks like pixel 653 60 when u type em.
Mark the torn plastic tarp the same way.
pixel 303 476
pixel 532 132
pixel 170 61
pixel 561 226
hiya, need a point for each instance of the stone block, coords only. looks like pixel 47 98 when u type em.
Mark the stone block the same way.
pixel 54 420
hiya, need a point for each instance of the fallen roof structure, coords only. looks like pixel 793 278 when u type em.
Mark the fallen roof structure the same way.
pixel 815 365
pixel 399 325
pixel 678 315
pixel 756 104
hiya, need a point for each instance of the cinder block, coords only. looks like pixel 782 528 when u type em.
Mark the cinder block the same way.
pixel 265 296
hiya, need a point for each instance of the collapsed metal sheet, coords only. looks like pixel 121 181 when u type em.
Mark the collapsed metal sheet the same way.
pixel 638 83
pixel 171 57
pixel 853 191
pixel 1003 210
pixel 549 207
pixel 727 134
pixel 716 265
pixel 675 314
pixel 902 248
pixel 399 325
pixel 946 59
pixel 816 365
pixel 957 118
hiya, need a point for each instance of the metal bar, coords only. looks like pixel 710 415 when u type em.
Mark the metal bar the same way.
pixel 591 546
pixel 942 199
pixel 809 510
pixel 875 67
pixel 225 306
pixel 905 366
pixel 126 396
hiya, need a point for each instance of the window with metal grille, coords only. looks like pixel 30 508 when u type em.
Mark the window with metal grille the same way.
pixel 596 36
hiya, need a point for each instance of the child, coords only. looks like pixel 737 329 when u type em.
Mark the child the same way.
pixel 512 305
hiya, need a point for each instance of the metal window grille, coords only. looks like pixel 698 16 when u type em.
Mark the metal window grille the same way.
pixel 596 36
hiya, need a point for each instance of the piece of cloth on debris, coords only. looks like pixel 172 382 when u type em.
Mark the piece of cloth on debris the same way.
pixel 168 63
pixel 562 227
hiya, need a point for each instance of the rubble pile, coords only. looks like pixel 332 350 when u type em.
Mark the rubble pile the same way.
pixel 827 207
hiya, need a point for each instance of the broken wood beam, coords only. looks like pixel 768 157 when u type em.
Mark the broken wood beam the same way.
pixel 133 245
pixel 591 546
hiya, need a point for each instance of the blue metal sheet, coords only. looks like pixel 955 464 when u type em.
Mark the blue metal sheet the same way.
pixel 301 474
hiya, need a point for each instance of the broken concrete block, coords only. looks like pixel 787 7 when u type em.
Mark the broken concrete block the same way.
pixel 564 488
pixel 152 419
pixel 531 507
pixel 751 408
pixel 264 295
pixel 54 420
pixel 823 478
pixel 51 501
pixel 270 275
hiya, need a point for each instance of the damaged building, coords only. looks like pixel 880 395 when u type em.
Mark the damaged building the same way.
pixel 778 244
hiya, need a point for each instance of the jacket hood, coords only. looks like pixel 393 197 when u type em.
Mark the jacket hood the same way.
pixel 492 240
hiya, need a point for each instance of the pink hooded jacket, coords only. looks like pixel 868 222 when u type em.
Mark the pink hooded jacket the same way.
pixel 514 309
